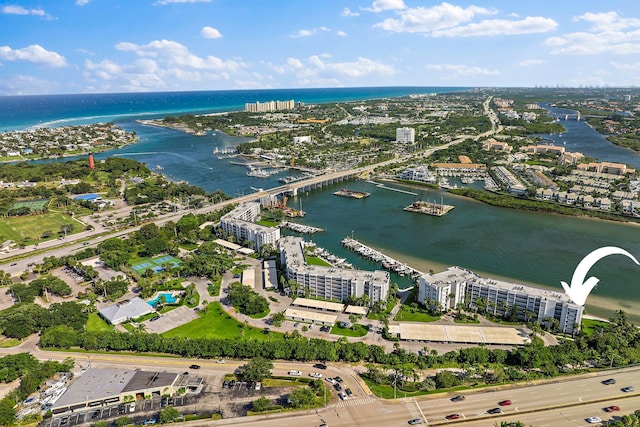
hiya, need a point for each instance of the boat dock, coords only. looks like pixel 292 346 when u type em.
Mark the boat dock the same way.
pixel 429 208
pixel 385 261
pixel 301 228
pixel 352 194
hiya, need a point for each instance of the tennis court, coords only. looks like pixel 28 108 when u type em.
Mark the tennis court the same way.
pixel 156 264
pixel 33 205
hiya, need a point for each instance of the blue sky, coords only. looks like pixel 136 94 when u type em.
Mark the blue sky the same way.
pixel 87 46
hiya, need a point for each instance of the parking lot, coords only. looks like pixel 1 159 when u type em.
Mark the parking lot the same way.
pixel 170 320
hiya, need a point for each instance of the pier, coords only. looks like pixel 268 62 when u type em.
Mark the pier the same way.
pixel 380 185
pixel 301 228
pixel 385 261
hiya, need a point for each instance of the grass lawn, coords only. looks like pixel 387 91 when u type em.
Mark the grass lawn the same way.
pixel 216 323
pixel 409 314
pixel 95 323
pixel 314 260
pixel 33 226
pixel 9 342
pixel 268 223
pixel 273 382
pixel 260 315
pixel 589 326
pixel 378 316
pixel 359 331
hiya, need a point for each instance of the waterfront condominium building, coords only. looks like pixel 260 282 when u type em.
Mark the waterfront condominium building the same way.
pixel 263 107
pixel 330 282
pixel 240 223
pixel 405 135
pixel 456 285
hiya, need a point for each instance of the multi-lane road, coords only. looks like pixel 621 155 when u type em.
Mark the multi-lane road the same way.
pixel 561 402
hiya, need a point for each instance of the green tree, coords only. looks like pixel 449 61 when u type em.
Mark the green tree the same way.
pixel 302 397
pixel 257 369
pixel 261 404
pixel 7 412
pixel 123 421
pixel 447 379
pixel 168 414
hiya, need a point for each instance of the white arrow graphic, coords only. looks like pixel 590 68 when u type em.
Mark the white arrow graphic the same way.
pixel 580 288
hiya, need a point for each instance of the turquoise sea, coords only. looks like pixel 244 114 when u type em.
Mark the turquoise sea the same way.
pixel 524 247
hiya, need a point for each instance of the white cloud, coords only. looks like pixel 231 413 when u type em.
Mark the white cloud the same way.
pixel 428 20
pixel 309 33
pixel 626 67
pixel 609 33
pixel 341 33
pixel 382 5
pixel 165 2
pixel 319 70
pixel 161 64
pixel 530 62
pixel 20 84
pixel 584 43
pixel 348 12
pixel 35 54
pixel 176 54
pixel 19 10
pixel 82 2
pixel 496 27
pixel 608 21
pixel 210 33
pixel 457 71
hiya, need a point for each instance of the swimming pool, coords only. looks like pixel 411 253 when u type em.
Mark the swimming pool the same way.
pixel 168 297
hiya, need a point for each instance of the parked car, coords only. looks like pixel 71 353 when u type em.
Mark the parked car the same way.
pixel 628 389
pixel 258 386
pixel 612 408
pixel 342 395
pixel 295 373
pixel 315 375
pixel 337 386
pixel 452 417
pixel 457 399
pixel 593 420
pixel 494 411
pixel 415 421
pixel 609 381
pixel 331 380
pixel 320 366
pixel 337 379
pixel 225 384
pixel 221 361
pixel 349 392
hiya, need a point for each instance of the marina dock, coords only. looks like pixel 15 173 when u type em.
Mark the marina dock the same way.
pixel 429 208
pixel 385 261
pixel 301 228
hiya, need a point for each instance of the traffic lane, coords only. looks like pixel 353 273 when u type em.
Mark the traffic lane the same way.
pixel 570 416
pixel 534 397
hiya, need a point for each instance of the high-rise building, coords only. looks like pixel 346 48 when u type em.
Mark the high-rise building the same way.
pixel 330 282
pixel 240 223
pixel 405 135
pixel 457 285
pixel 264 107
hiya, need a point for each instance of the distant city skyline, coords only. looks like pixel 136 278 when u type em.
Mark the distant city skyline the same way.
pixel 98 46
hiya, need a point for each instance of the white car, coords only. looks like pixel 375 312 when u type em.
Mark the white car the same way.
pixel 331 380
pixel 315 375
pixel 593 420
pixel 221 361
pixel 295 373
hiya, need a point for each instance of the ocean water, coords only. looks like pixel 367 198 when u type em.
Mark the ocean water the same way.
pixel 20 112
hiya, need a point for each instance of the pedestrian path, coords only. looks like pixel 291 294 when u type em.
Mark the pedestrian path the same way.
pixel 355 402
